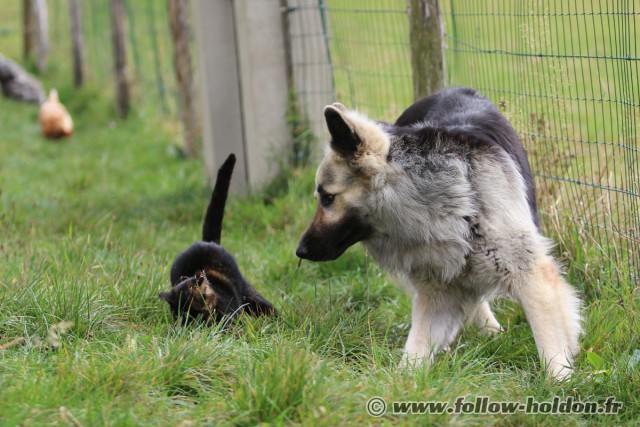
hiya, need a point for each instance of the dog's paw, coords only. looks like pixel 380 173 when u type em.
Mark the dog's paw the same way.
pixel 490 330
pixel 411 361
pixel 559 372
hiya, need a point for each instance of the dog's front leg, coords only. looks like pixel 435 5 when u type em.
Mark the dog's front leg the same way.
pixel 436 319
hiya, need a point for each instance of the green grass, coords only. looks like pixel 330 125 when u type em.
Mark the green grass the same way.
pixel 88 230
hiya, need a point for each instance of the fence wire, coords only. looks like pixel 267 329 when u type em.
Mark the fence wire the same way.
pixel 149 48
pixel 565 73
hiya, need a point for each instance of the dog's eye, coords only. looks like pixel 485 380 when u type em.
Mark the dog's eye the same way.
pixel 327 199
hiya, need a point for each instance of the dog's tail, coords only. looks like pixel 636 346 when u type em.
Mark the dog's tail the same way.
pixel 212 227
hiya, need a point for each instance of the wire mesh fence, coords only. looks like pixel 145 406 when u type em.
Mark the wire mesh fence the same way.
pixel 312 75
pixel 565 73
pixel 149 48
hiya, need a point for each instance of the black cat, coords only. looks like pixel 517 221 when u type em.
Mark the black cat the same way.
pixel 207 283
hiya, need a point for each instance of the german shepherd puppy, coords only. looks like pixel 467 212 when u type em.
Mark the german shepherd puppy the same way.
pixel 444 200
pixel 207 283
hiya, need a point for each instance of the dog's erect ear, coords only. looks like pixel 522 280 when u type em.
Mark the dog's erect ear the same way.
pixel 344 139
pixel 339 107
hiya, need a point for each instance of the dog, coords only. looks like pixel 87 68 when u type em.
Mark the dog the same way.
pixel 444 201
pixel 207 283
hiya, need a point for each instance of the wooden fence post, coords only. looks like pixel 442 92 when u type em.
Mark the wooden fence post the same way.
pixel 179 22
pixel 77 40
pixel 427 59
pixel 28 25
pixel 120 57
pixel 41 19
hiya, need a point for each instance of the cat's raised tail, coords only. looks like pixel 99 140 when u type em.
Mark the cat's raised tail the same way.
pixel 212 227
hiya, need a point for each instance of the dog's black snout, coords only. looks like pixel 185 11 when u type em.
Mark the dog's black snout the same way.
pixel 302 251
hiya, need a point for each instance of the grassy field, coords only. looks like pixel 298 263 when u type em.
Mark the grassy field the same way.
pixel 89 228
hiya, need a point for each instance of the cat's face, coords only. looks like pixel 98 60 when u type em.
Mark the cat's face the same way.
pixel 207 296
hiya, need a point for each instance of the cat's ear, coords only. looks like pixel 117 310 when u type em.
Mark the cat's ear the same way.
pixel 166 296
pixel 258 306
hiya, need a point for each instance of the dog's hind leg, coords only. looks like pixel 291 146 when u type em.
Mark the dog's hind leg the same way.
pixel 436 319
pixel 553 311
pixel 482 316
